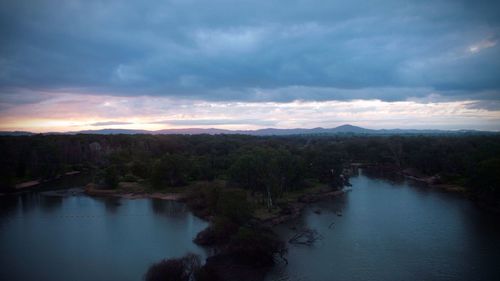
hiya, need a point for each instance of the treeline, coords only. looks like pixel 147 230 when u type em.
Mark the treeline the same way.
pixel 472 162
pixel 268 165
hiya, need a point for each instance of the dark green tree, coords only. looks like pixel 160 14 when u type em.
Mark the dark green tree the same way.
pixel 170 170
pixel 111 178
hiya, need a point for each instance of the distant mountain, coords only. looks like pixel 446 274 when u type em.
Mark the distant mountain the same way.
pixel 340 130
pixel 194 131
pixel 112 132
pixel 344 129
pixel 15 133
pixel 351 129
pixel 270 131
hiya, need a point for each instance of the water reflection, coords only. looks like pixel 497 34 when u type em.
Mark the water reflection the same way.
pixel 8 208
pixel 45 237
pixel 111 204
pixel 167 208
pixel 29 201
pixel 389 176
pixel 394 230
pixel 50 203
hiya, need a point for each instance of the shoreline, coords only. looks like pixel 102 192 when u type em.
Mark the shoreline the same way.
pixel 90 190
pixel 221 263
pixel 292 211
pixel 26 185
pixel 295 209
pixel 434 181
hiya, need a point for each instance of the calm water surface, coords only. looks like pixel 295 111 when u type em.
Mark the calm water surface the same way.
pixel 394 231
pixel 46 237
pixel 387 231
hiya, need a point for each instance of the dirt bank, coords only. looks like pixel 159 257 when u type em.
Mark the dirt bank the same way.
pixel 92 190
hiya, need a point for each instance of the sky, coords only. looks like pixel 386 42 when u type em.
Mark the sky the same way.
pixel 69 65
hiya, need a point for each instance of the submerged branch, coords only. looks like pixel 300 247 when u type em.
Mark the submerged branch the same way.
pixel 305 237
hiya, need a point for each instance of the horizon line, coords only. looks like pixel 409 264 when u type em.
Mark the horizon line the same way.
pixel 249 130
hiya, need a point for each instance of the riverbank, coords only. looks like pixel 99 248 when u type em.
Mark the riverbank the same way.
pixel 71 179
pixel 37 182
pixel 92 190
pixel 287 208
pixel 294 209
pixel 382 221
pixel 234 260
pixel 433 181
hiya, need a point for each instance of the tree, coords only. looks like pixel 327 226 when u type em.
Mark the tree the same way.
pixel 254 171
pixel 141 169
pixel 486 179
pixel 170 170
pixel 269 171
pixel 202 168
pixel 256 246
pixel 326 165
pixel 182 269
pixel 111 176
pixel 234 205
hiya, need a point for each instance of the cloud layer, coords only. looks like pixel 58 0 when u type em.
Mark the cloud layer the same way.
pixel 221 50
pixel 225 52
pixel 70 112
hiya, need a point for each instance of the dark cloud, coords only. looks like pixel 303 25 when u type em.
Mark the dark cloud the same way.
pixel 255 50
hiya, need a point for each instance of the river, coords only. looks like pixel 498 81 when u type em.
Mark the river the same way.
pixel 388 230
pixel 44 236
pixel 394 230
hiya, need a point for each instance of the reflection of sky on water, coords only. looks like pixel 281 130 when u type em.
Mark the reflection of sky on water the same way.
pixel 54 237
pixel 394 230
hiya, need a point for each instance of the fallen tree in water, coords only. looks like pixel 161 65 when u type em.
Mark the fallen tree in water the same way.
pixel 305 237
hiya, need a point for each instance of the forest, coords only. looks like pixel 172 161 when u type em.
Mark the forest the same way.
pixel 269 165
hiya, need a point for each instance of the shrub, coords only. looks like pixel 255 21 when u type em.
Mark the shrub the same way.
pixel 256 246
pixel 181 269
pixel 234 205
